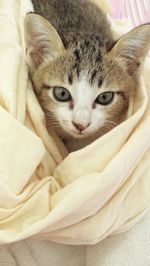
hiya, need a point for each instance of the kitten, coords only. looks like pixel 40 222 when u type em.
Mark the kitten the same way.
pixel 83 77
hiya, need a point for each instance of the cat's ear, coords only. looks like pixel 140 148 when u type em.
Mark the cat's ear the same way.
pixel 132 48
pixel 42 40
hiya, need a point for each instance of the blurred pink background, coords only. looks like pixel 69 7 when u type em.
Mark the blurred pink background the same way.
pixel 138 11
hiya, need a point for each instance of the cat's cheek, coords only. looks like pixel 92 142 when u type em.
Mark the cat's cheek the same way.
pixel 64 115
pixel 99 116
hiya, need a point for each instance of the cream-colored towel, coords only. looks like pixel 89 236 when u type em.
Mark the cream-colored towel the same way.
pixel 79 198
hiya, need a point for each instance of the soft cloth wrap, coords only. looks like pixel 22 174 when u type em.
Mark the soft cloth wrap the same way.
pixel 79 198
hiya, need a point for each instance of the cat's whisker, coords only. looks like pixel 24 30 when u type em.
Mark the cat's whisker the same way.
pixel 111 123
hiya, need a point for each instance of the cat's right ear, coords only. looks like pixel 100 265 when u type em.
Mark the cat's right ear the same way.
pixel 42 41
pixel 131 49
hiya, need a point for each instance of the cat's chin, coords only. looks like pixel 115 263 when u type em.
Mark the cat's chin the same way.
pixel 81 135
pixel 76 135
pixel 72 134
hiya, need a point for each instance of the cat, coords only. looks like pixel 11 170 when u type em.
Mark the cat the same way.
pixel 83 77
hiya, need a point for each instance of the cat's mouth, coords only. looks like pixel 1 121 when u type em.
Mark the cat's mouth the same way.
pixel 80 134
pixel 76 133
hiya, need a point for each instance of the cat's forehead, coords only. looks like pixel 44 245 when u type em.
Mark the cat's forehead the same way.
pixel 84 75
pixel 87 49
pixel 85 60
pixel 74 67
pixel 81 62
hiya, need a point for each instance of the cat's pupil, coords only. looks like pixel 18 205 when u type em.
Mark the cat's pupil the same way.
pixel 63 93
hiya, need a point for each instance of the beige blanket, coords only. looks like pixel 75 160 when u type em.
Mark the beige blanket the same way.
pixel 79 198
pixel 127 249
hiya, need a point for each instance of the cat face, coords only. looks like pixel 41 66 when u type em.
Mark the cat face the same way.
pixel 86 103
pixel 79 108
pixel 83 89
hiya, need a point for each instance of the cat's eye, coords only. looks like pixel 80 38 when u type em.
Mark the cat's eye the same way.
pixel 61 94
pixel 105 98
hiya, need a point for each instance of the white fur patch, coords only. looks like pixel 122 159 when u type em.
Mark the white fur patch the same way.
pixel 83 97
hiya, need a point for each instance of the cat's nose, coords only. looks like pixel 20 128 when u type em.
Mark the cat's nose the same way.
pixel 79 126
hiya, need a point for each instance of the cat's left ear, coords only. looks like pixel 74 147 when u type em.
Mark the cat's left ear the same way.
pixel 42 41
pixel 132 48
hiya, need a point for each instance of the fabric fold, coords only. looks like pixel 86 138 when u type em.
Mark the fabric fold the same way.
pixel 76 198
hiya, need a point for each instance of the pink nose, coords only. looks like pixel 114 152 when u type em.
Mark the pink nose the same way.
pixel 79 126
